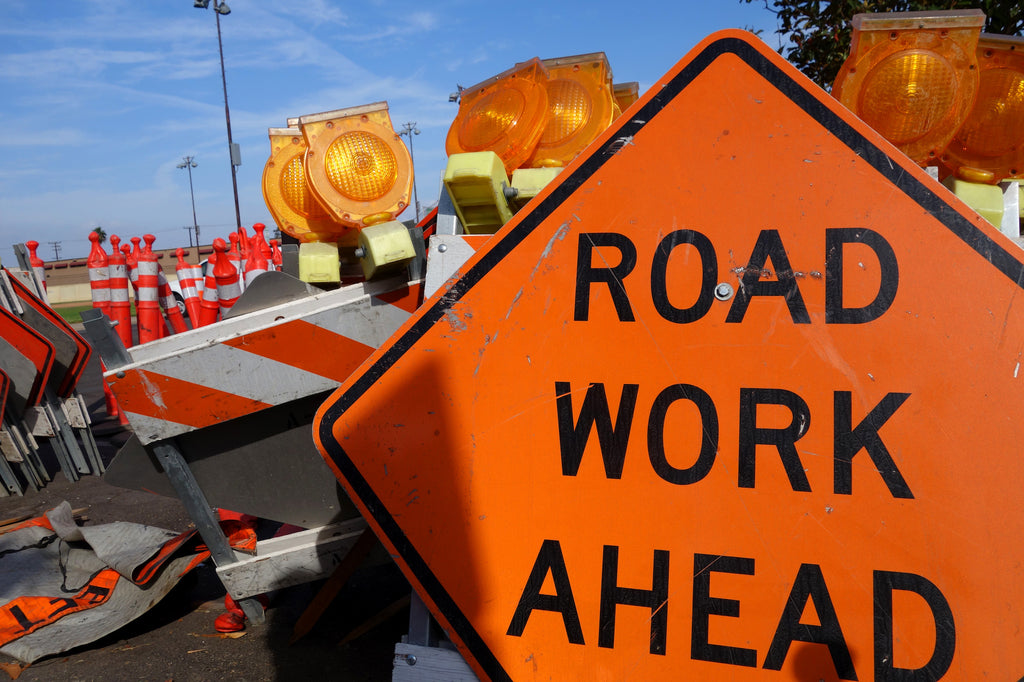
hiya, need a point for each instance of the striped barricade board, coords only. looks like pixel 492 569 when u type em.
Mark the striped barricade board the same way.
pixel 252 362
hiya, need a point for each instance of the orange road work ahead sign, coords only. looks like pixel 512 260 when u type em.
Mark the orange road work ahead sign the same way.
pixel 737 399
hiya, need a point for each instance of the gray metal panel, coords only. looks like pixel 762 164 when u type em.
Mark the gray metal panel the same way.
pixel 65 348
pixel 271 288
pixel 21 372
pixel 265 465
pixel 446 255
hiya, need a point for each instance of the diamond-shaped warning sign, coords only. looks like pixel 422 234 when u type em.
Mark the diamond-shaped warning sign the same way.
pixel 739 395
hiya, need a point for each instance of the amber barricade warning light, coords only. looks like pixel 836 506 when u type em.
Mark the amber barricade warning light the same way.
pixel 580 107
pixel 287 194
pixel 912 76
pixel 356 166
pixel 505 114
pixel 989 147
pixel 662 440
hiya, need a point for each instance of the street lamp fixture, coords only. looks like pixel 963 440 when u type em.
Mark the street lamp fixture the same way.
pixel 408 130
pixel 188 162
pixel 219 8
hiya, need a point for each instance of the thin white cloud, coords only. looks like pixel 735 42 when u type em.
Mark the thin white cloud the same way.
pixel 322 12
pixel 413 24
pixel 67 62
pixel 31 137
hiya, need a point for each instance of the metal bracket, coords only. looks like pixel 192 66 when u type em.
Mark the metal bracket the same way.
pixel 447 219
pixel 191 495
pixel 100 332
pixel 38 422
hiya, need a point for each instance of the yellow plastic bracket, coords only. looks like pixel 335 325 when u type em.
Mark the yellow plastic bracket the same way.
pixel 476 183
pixel 528 182
pixel 319 262
pixel 987 200
pixel 384 248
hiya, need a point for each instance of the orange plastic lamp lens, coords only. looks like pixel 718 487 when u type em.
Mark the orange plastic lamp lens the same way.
pixel 286 192
pixel 580 107
pixel 361 166
pixel 992 138
pixel 570 107
pixel 505 114
pixel 906 93
pixel 912 76
pixel 491 117
pixel 357 168
pixel 295 191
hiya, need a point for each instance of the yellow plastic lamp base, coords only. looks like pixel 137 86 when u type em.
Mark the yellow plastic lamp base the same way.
pixel 319 262
pixel 987 200
pixel 384 248
pixel 528 182
pixel 476 183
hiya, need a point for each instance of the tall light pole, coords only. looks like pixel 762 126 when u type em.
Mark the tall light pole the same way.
pixel 220 7
pixel 408 130
pixel 189 163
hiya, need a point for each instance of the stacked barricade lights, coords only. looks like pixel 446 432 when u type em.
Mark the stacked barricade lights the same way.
pixel 514 133
pixel 912 76
pixel 940 90
pixel 356 167
pixel 990 144
pixel 539 113
pixel 505 114
pixel 331 177
pixel 581 104
pixel 286 191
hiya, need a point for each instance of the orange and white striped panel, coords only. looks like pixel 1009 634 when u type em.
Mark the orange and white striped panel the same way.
pixel 268 357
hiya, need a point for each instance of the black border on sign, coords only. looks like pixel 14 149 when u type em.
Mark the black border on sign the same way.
pixel 807 100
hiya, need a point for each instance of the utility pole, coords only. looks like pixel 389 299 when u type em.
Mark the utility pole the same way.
pixel 188 162
pixel 56 250
pixel 408 130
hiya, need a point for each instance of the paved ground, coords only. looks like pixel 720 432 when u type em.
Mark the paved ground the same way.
pixel 176 640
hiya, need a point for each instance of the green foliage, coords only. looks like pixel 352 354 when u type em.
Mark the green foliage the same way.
pixel 817 32
pixel 102 233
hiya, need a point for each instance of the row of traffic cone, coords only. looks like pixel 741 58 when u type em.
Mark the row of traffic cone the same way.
pixel 229 271
pixel 207 298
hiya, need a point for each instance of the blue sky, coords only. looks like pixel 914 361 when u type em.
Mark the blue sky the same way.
pixel 102 98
